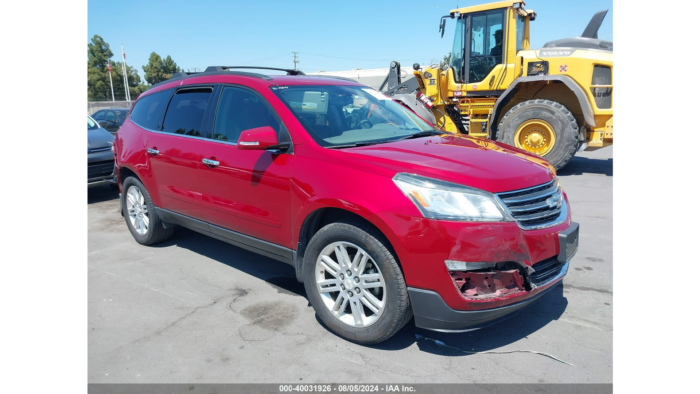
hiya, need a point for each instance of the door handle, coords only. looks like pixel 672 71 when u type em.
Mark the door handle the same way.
pixel 210 163
pixel 152 152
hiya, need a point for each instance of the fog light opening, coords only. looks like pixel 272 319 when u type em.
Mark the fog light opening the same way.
pixel 486 280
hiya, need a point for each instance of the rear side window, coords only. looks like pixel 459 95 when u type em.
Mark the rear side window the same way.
pixel 99 115
pixel 186 112
pixel 241 110
pixel 121 115
pixel 148 110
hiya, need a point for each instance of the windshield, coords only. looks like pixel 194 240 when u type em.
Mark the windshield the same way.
pixel 457 55
pixel 92 125
pixel 349 115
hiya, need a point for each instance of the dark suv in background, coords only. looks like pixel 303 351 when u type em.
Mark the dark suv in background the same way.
pixel 100 156
pixel 111 119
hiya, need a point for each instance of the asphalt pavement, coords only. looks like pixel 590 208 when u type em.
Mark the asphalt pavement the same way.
pixel 197 310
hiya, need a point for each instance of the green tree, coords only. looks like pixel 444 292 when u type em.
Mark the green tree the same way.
pixel 134 80
pixel 98 78
pixel 99 54
pixel 445 60
pixel 159 69
pixel 170 67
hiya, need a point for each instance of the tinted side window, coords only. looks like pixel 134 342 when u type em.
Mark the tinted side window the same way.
pixel 186 112
pixel 241 110
pixel 121 115
pixel 109 116
pixel 99 115
pixel 148 110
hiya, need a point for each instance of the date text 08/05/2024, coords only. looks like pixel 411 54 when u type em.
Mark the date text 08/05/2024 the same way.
pixel 347 389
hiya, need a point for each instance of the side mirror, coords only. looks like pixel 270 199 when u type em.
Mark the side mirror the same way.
pixel 261 138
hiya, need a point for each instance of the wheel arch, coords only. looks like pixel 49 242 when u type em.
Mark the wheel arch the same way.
pixel 322 216
pixel 559 88
pixel 123 173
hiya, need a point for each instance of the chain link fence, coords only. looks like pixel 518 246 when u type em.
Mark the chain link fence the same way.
pixel 94 106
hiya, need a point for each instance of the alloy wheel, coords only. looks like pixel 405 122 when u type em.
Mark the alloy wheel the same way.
pixel 350 284
pixel 138 210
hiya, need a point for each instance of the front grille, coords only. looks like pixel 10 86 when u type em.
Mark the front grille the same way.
pixel 100 169
pixel 535 207
pixel 545 271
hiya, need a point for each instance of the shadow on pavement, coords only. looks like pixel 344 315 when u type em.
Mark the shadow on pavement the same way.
pixel 279 275
pixel 532 318
pixel 283 279
pixel 101 194
pixel 583 165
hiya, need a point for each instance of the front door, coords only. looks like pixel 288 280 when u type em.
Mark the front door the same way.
pixel 175 151
pixel 248 191
pixel 486 43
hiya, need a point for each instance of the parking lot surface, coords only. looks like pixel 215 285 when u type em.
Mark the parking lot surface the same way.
pixel 197 310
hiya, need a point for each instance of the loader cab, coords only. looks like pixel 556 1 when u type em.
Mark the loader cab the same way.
pixel 486 40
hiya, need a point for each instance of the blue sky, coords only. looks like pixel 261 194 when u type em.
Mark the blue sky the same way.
pixel 329 35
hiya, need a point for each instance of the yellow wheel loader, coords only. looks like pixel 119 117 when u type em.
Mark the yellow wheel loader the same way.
pixel 552 101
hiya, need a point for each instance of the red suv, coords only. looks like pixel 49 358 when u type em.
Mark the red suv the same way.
pixel 382 216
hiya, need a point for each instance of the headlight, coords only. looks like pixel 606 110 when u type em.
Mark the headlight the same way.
pixel 448 201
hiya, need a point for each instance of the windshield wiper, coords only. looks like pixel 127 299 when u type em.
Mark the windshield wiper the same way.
pixel 432 133
pixel 357 145
pixel 420 134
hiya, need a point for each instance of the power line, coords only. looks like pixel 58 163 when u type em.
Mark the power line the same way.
pixel 265 58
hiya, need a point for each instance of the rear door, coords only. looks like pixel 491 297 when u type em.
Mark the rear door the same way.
pixel 249 190
pixel 175 150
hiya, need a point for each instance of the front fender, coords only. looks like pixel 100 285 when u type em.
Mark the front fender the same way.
pixel 586 108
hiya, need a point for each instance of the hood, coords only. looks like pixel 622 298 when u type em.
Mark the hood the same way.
pixel 99 138
pixel 482 164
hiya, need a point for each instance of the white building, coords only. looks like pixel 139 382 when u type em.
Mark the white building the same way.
pixel 370 77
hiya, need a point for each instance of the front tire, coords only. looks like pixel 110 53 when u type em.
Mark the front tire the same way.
pixel 355 284
pixel 542 127
pixel 140 214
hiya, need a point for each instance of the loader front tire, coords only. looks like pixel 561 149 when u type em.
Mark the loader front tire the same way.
pixel 542 127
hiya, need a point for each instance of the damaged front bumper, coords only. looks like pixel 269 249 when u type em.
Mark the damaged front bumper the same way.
pixel 432 313
pixel 520 287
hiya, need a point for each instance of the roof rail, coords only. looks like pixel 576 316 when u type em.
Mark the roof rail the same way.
pixel 226 68
pixel 185 75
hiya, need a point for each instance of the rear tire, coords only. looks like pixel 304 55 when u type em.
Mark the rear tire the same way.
pixel 140 214
pixel 377 321
pixel 553 114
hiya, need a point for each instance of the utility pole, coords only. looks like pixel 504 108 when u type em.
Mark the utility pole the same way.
pixel 126 77
pixel 295 59
pixel 109 67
